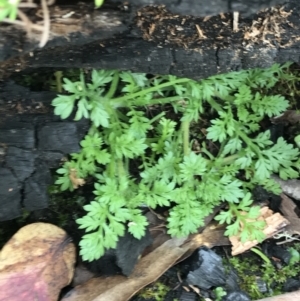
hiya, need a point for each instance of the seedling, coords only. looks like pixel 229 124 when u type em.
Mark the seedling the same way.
pixel 149 122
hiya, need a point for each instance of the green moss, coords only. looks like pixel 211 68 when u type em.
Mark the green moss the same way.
pixel 220 293
pixel 46 79
pixel 66 207
pixel 157 291
pixel 252 270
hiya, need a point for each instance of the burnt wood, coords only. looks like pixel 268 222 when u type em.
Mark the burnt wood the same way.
pixel 151 40
pixel 157 41
pixel 162 43
pixel 207 8
pixel 32 142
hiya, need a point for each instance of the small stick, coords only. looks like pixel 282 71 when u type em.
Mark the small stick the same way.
pixel 46 31
pixel 27 5
pixel 200 32
pixel 235 21
pixel 23 24
pixel 25 19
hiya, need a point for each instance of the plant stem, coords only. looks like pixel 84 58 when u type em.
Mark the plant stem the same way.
pixel 154 101
pixel 113 86
pixel 262 255
pixel 230 159
pixel 111 168
pixel 82 79
pixel 240 133
pixel 157 117
pixel 206 152
pixel 247 140
pixel 185 126
pixel 58 76
pixel 123 99
pixel 93 130
pixel 121 170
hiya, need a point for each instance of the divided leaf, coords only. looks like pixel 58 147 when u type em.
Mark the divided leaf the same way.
pixel 193 165
pixel 141 156
pixel 64 105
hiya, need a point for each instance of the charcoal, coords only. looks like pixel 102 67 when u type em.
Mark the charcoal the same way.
pixel 291 285
pixel 236 296
pixel 210 272
pixel 122 259
pixel 188 296
pixel 20 161
pixel 271 249
pixel 35 188
pixel 19 134
pixel 59 137
pixel 10 195
pixel 129 249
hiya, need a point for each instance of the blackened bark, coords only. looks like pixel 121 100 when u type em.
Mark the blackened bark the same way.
pixel 70 25
pixel 30 145
pixel 174 45
pixel 212 7
pixel 157 41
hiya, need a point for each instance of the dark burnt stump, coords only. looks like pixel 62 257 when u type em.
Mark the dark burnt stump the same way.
pixel 209 8
pixel 32 142
pixel 152 39
pixel 142 39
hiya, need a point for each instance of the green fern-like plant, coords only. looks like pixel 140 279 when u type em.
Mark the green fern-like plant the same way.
pixel 171 172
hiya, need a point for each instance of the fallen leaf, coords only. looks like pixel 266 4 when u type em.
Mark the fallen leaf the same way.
pixel 288 209
pixel 74 179
pixel 36 263
pixel 167 252
pixel 274 223
pixel 148 269
pixel 212 236
pixel 120 288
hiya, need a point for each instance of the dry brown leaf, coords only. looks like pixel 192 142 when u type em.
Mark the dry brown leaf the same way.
pixel 212 236
pixel 74 179
pixel 36 263
pixel 274 223
pixel 121 288
pixel 149 268
pixel 288 209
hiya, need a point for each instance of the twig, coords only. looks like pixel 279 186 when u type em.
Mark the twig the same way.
pixel 200 32
pixel 287 236
pixel 235 21
pixel 46 31
pixel 27 5
pixel 26 21
pixel 28 25
pixel 50 2
pixel 23 24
